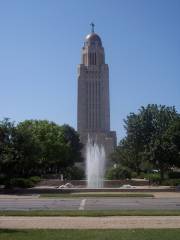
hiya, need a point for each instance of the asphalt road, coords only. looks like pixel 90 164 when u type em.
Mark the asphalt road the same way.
pixel 89 203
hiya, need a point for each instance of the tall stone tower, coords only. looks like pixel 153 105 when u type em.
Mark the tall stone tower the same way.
pixel 93 94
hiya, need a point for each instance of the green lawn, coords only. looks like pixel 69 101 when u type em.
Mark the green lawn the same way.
pixel 92 213
pixel 140 234
pixel 77 195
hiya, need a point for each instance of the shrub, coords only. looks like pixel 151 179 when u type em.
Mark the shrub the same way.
pixel 153 178
pixel 134 175
pixel 172 182
pixel 74 173
pixel 77 174
pixel 174 175
pixel 35 179
pixel 20 182
pixel 119 172
pixel 142 175
pixel 2 180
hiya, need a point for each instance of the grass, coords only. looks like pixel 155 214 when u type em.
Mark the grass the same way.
pixel 78 195
pixel 125 234
pixel 92 213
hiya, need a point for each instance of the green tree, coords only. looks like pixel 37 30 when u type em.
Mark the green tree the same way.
pixel 174 133
pixel 28 151
pixel 7 151
pixel 36 147
pixel 161 150
pixel 126 155
pixel 164 149
pixel 149 140
pixel 59 146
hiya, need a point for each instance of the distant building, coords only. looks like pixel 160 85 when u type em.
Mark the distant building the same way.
pixel 93 94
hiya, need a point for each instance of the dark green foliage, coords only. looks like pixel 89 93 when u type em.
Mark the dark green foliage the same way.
pixel 174 175
pixel 35 179
pixel 152 140
pixel 134 175
pixel 118 172
pixel 20 182
pixel 34 148
pixel 154 178
pixel 74 173
pixel 59 146
pixel 172 182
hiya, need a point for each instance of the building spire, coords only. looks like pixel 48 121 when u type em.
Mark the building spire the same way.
pixel 92 27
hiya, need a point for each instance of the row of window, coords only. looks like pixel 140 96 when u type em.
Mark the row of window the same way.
pixel 91 59
pixel 93 105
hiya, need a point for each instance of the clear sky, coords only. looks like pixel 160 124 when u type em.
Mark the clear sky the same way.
pixel 40 48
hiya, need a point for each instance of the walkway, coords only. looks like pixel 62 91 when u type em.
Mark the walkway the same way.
pixel 90 222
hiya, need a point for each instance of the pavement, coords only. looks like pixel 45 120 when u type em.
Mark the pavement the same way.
pixel 123 222
pixel 168 201
pixel 160 201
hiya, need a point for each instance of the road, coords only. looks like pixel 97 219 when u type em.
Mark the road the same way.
pixel 111 203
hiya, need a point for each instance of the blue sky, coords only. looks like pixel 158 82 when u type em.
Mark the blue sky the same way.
pixel 40 48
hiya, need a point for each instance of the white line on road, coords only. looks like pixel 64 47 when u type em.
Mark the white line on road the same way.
pixel 82 204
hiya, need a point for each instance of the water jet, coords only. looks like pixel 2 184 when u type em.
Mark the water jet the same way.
pixel 95 164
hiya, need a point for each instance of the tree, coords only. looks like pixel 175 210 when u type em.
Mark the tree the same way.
pixel 127 156
pixel 28 151
pixel 174 133
pixel 148 139
pixel 7 151
pixel 59 146
pixel 161 150
pixel 165 148
pixel 71 138
pixel 36 147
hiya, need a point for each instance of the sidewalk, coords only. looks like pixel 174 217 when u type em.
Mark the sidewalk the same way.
pixel 90 222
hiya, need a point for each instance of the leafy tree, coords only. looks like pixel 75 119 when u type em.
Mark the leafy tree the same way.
pixel 174 133
pixel 8 154
pixel 149 139
pixel 164 149
pixel 161 150
pixel 71 139
pixel 36 147
pixel 126 155
pixel 59 146
pixel 28 152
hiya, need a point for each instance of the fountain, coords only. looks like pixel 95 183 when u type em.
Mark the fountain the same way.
pixel 95 164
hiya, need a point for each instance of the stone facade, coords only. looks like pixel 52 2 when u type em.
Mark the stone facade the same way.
pixel 93 95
